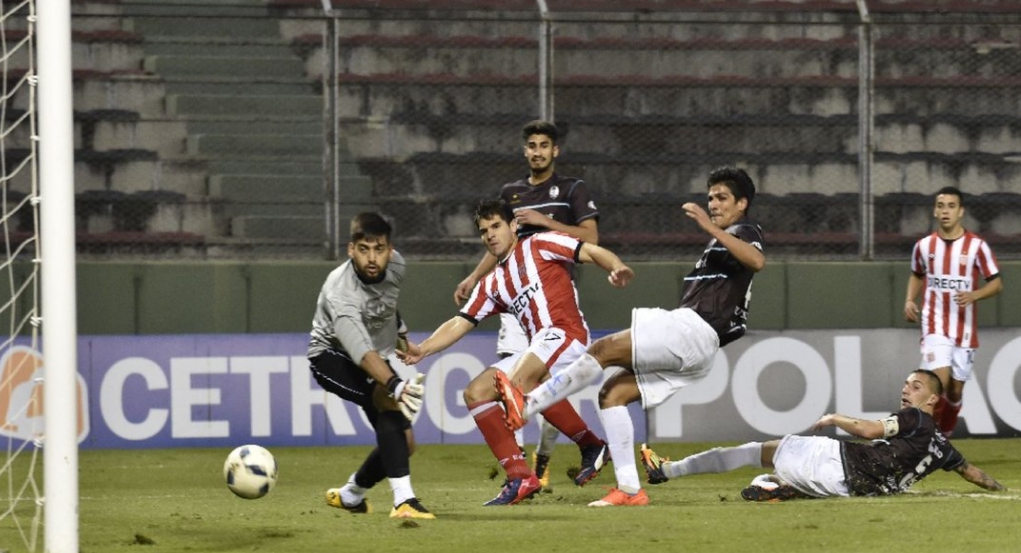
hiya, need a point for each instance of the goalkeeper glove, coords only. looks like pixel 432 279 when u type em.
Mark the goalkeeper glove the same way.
pixel 408 394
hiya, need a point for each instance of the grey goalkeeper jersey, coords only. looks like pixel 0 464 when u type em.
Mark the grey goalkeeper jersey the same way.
pixel 353 317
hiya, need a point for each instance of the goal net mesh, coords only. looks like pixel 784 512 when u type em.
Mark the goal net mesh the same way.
pixel 21 421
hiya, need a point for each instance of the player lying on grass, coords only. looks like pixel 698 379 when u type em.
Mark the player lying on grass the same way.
pixel 533 281
pixel 905 448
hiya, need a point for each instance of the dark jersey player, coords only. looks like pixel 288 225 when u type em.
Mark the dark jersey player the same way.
pixel 665 350
pixel 557 198
pixel 905 448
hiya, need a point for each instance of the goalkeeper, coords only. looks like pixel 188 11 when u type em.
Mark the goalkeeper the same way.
pixel 355 328
pixel 905 448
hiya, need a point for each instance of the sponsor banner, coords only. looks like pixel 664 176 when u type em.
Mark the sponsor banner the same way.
pixel 772 383
pixel 222 390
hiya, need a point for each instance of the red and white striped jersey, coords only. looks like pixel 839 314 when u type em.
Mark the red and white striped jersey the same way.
pixel 534 284
pixel 948 267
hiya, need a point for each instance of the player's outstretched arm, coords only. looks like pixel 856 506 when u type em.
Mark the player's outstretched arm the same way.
pixel 445 336
pixel 620 274
pixel 868 429
pixel 977 476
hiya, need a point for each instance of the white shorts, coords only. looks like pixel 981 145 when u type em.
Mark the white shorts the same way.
pixel 670 350
pixel 552 346
pixel 812 465
pixel 511 338
pixel 939 352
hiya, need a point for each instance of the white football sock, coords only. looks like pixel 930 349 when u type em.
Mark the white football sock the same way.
pixel 548 435
pixel 620 436
pixel 402 489
pixel 351 493
pixel 574 378
pixel 717 459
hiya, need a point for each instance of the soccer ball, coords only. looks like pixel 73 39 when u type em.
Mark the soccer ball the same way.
pixel 250 471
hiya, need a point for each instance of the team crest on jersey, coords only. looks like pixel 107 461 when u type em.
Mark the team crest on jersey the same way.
pixel 554 191
pixel 522 271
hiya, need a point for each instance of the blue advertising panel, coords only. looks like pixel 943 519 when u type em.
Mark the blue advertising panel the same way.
pixel 220 390
pixel 223 390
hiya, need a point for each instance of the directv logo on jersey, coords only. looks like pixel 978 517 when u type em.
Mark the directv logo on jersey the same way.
pixel 521 302
pixel 950 283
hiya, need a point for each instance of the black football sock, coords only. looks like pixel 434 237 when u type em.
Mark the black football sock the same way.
pixel 393 445
pixel 371 472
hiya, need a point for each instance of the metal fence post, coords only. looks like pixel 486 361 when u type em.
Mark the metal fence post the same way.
pixel 866 129
pixel 331 129
pixel 545 62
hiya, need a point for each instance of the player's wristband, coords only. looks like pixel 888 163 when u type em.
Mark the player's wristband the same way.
pixel 393 384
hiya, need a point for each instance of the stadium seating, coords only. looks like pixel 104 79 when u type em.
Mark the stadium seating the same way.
pixel 224 128
pixel 454 99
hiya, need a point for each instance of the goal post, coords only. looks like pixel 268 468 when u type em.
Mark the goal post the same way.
pixel 57 254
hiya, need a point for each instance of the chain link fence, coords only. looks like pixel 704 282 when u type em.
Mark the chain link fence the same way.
pixel 946 99
pixel 650 104
pixel 258 130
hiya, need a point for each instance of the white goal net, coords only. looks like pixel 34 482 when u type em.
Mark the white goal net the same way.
pixel 21 421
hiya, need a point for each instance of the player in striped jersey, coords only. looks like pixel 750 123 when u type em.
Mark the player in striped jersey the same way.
pixel 544 200
pixel 533 281
pixel 664 350
pixel 945 268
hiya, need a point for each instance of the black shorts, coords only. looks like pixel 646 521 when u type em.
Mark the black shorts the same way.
pixel 340 376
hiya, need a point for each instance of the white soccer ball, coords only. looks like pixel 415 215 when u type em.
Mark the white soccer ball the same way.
pixel 250 471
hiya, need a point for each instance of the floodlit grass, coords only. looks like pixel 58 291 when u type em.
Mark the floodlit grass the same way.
pixel 175 500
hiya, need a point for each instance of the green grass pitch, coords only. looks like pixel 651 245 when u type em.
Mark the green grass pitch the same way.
pixel 158 501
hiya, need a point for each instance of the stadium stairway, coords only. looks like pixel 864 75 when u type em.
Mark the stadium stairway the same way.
pixel 118 148
pixel 251 116
pixel 200 115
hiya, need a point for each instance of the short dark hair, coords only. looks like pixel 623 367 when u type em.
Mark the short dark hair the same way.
pixel 370 225
pixel 935 384
pixel 737 180
pixel 487 209
pixel 951 190
pixel 540 126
